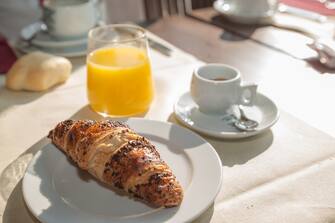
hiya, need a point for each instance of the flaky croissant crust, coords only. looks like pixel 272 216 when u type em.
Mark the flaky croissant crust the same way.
pixel 118 156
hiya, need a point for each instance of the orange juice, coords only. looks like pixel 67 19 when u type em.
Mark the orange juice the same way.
pixel 119 81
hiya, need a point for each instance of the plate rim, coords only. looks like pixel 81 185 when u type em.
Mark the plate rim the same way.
pixel 226 135
pixel 205 143
pixel 31 48
pixel 60 43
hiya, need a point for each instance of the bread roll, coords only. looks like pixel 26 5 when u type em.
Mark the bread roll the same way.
pixel 38 71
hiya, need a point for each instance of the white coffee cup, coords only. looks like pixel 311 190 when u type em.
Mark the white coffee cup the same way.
pixel 69 19
pixel 247 11
pixel 215 88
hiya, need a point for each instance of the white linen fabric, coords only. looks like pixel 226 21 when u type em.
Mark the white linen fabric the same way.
pixel 283 175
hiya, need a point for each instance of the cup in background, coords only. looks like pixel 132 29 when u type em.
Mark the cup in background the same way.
pixel 247 11
pixel 69 19
pixel 215 88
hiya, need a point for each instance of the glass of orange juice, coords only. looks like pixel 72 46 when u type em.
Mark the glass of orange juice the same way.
pixel 119 80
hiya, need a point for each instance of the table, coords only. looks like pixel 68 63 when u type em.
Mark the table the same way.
pixel 277 35
pixel 283 175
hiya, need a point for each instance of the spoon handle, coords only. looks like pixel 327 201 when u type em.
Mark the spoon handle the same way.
pixel 242 114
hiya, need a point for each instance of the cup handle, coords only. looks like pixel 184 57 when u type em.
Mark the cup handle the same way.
pixel 248 94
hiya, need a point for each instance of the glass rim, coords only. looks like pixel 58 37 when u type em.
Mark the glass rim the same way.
pixel 131 26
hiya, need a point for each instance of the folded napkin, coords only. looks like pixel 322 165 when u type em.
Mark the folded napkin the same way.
pixel 312 5
pixel 7 55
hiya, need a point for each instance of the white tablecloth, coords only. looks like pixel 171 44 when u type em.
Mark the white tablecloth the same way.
pixel 283 175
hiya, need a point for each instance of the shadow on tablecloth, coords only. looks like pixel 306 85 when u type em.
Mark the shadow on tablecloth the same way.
pixel 11 98
pixel 87 113
pixel 16 209
pixel 11 187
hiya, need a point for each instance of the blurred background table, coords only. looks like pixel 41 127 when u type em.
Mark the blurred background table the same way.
pixel 302 87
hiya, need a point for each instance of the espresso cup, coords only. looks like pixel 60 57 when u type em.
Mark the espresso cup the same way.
pixel 69 19
pixel 215 88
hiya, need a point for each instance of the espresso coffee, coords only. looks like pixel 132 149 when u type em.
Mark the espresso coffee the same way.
pixel 219 79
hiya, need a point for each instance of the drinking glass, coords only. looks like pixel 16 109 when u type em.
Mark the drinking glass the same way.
pixel 119 80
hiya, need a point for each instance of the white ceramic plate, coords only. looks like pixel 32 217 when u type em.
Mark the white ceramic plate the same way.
pixel 57 191
pixel 264 111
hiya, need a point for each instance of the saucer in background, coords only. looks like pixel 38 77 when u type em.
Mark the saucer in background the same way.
pixel 43 39
pixel 264 111
pixel 73 51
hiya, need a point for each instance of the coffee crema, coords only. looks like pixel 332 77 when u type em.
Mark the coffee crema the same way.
pixel 219 79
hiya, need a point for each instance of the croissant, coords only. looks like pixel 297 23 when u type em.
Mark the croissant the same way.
pixel 116 155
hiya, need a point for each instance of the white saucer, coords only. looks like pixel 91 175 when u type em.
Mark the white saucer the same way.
pixel 43 39
pixel 226 10
pixel 74 51
pixel 264 111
